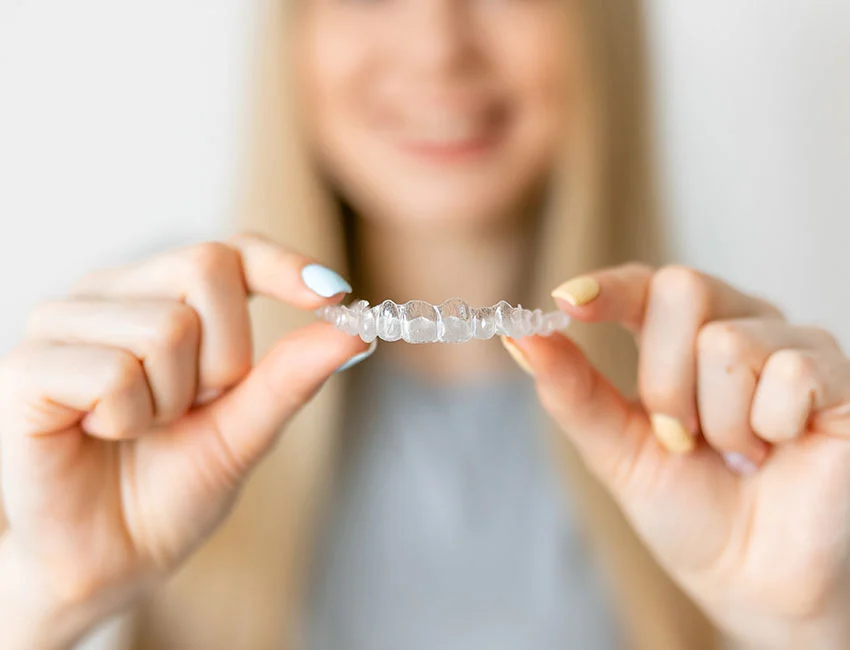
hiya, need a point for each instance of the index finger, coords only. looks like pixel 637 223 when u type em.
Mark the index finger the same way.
pixel 248 264
pixel 215 279
pixel 275 271
pixel 622 294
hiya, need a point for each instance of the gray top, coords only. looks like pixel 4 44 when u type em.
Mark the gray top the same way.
pixel 449 528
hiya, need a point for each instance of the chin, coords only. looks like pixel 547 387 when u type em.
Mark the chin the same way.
pixel 466 202
pixel 448 212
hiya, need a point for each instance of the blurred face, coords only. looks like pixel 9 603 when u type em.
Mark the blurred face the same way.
pixel 431 111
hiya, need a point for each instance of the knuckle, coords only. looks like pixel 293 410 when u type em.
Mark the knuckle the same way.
pixel 177 326
pixel 681 285
pixel 723 341
pixel 82 285
pixel 825 338
pixel 235 362
pixel 721 436
pixel 125 372
pixel 225 372
pixel 791 366
pixel 767 309
pixel 211 260
pixel 42 314
pixel 245 237
pixel 230 364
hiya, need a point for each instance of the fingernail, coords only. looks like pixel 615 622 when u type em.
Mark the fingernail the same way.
pixel 517 355
pixel 578 291
pixel 324 282
pixel 357 358
pixel 739 464
pixel 674 437
pixel 207 395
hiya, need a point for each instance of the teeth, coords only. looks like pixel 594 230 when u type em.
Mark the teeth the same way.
pixel 450 322
pixel 448 130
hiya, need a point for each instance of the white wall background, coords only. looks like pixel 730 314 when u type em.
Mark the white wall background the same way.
pixel 754 127
pixel 119 133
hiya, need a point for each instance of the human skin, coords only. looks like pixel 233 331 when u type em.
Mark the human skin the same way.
pixel 98 399
pixel 131 417
pixel 760 541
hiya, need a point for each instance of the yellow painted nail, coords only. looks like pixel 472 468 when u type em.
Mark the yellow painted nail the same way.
pixel 517 355
pixel 578 291
pixel 672 435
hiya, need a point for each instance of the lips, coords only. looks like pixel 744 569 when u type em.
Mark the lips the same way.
pixel 447 129
pixel 450 136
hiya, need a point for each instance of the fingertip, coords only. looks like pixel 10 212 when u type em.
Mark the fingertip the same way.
pixel 517 354
pixel 585 313
pixel 577 292
pixel 740 464
pixel 314 352
pixel 615 294
pixel 273 270
pixel 324 282
pixel 358 357
pixel 336 298
pixel 546 354
pixel 672 434
pixel 560 367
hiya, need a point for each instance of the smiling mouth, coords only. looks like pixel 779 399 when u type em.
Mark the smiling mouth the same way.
pixel 445 139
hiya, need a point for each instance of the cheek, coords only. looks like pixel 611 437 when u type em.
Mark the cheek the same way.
pixel 331 61
pixel 538 66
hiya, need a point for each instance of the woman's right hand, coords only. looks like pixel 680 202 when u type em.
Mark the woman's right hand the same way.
pixel 131 415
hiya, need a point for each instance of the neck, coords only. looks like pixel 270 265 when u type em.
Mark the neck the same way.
pixel 480 265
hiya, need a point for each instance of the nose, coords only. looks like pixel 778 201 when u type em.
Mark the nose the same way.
pixel 439 36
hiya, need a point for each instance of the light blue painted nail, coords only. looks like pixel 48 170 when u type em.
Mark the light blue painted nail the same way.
pixel 321 280
pixel 357 358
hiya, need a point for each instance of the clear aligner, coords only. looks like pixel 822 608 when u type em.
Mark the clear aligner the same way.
pixel 453 321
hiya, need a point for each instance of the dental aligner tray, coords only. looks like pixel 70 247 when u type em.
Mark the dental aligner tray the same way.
pixel 453 321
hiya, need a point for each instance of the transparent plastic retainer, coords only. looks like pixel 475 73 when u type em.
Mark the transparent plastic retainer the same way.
pixel 453 321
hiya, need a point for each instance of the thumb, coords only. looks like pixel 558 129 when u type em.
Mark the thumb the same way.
pixel 610 432
pixel 248 419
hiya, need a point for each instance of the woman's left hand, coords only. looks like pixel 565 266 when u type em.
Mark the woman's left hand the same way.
pixel 734 466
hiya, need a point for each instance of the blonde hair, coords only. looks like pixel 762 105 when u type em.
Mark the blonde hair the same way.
pixel 244 588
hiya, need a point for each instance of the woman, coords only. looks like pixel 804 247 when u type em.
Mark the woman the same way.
pixel 484 150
